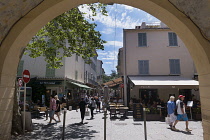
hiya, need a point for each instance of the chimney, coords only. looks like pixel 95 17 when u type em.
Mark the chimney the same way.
pixel 143 25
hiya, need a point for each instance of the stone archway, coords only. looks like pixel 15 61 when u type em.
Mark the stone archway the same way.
pixel 38 15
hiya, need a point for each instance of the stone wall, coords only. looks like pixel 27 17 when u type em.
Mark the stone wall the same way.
pixel 11 11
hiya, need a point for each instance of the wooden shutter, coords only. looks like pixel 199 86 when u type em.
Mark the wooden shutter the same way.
pixel 142 39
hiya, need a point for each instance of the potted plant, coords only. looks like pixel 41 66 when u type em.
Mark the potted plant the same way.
pixel 152 114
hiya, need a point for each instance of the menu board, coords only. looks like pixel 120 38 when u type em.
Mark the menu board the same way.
pixel 137 112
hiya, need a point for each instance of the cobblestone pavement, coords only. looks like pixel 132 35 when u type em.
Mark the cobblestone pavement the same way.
pixel 117 129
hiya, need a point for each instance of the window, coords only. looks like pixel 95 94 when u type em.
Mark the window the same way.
pixel 76 75
pixel 143 66
pixel 172 37
pixel 20 68
pixel 50 72
pixel 174 66
pixel 142 39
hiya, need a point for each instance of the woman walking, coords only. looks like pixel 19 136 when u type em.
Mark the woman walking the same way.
pixel 92 106
pixel 52 108
pixel 57 111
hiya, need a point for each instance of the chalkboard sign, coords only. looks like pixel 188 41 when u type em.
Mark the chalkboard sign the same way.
pixel 137 112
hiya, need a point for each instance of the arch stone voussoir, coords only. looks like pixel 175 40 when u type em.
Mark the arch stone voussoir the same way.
pixel 24 26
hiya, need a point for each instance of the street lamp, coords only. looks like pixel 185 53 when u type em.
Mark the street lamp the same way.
pixel 105 108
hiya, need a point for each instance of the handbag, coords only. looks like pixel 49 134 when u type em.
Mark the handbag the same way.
pixel 90 105
pixel 167 120
pixel 87 113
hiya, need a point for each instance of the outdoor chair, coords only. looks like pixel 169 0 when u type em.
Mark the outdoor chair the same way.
pixel 113 112
pixel 122 112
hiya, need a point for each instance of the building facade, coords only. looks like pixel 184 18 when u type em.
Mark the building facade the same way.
pixel 74 79
pixel 157 64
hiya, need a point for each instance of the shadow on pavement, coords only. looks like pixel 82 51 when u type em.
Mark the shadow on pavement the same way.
pixel 52 131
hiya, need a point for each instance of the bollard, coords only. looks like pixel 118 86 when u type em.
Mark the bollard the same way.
pixel 64 121
pixel 105 111
pixel 145 125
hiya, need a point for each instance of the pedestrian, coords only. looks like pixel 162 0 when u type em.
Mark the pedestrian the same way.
pixel 98 104
pixel 181 114
pixel 57 111
pixel 92 106
pixel 52 108
pixel 171 108
pixel 82 106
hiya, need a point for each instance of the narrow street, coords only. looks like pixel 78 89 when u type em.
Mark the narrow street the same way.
pixel 117 129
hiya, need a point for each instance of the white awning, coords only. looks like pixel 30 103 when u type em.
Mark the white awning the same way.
pixel 163 81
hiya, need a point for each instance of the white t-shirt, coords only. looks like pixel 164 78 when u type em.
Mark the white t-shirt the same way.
pixel 180 104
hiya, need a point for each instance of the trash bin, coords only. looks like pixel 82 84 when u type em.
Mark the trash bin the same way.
pixel 70 108
pixel 28 124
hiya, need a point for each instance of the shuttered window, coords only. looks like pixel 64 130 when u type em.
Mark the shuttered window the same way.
pixel 172 37
pixel 50 72
pixel 20 68
pixel 174 66
pixel 143 66
pixel 76 75
pixel 142 39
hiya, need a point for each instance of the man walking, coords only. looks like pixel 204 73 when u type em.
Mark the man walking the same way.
pixel 181 113
pixel 82 106
pixel 171 108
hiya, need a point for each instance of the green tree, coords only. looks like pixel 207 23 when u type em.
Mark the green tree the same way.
pixel 69 28
pixel 112 76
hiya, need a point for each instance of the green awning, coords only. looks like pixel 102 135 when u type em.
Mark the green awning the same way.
pixel 80 85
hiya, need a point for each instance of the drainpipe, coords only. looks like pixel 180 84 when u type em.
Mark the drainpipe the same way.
pixel 125 72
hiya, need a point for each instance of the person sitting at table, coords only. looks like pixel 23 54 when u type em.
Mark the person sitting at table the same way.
pixel 154 104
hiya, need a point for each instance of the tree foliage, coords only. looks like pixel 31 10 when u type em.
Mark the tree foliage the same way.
pixel 67 34
pixel 113 75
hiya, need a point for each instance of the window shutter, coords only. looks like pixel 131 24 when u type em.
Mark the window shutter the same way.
pixel 177 66
pixel 175 40
pixel 142 39
pixel 174 66
pixel 141 65
pixel 146 67
pixel 170 39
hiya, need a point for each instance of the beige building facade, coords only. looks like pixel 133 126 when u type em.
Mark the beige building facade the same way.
pixel 157 62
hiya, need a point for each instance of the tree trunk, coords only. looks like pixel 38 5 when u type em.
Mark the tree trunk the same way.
pixel 16 120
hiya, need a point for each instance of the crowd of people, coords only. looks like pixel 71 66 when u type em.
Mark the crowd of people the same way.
pixel 89 102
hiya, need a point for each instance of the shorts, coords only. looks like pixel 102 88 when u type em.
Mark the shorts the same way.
pixel 182 117
pixel 51 113
pixel 172 117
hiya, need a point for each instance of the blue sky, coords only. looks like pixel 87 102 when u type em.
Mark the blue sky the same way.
pixel 111 27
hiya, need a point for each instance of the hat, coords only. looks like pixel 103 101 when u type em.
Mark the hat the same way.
pixel 180 96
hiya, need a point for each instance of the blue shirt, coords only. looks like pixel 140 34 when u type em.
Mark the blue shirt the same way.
pixel 171 106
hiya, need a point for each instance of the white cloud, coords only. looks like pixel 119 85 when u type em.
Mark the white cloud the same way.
pixel 117 44
pixel 130 8
pixel 102 53
pixel 111 55
pixel 108 62
pixel 107 31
